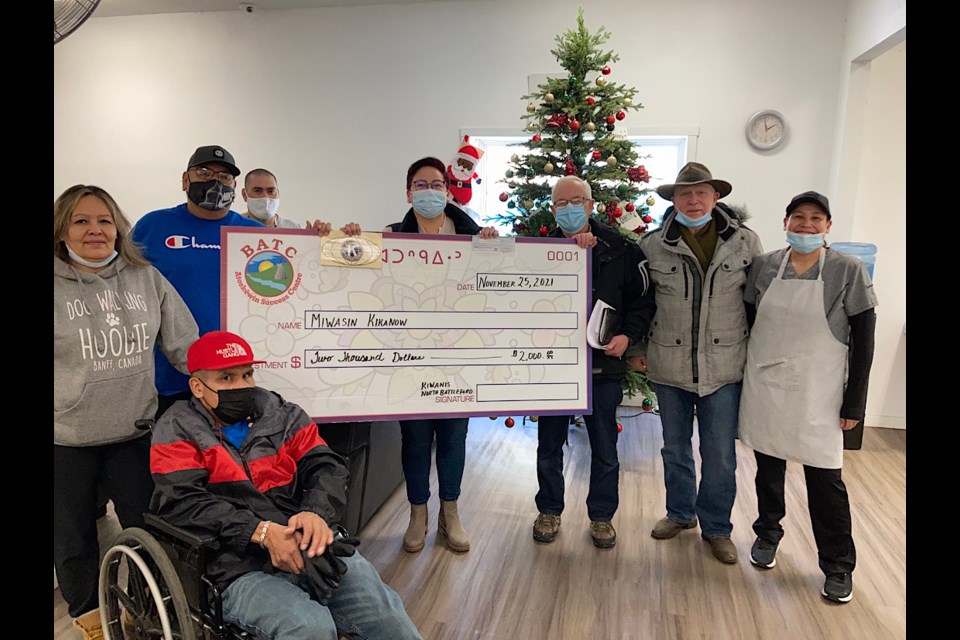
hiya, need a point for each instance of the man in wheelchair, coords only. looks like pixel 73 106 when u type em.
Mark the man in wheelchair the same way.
pixel 242 464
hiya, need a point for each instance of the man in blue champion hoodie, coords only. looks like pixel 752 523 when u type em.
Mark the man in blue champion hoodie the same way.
pixel 183 243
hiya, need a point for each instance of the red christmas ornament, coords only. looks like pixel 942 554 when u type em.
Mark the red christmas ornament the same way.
pixel 638 174
pixel 591 102
pixel 509 422
pixel 596 154
pixel 569 169
pixel 621 115
pixel 504 197
pixel 610 119
pixel 557 120
pixel 574 125
pixel 543 230
pixel 640 229
pixel 629 206
pixel 605 71
pixel 619 428
pixel 647 219
pixel 536 138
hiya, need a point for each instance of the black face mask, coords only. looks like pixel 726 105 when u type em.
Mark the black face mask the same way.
pixel 211 195
pixel 233 405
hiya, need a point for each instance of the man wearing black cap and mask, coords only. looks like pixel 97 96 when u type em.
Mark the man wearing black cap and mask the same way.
pixel 183 243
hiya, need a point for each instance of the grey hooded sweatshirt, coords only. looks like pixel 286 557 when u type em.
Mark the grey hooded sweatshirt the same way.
pixel 105 326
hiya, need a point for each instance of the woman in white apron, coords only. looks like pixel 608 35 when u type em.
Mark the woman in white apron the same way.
pixel 805 382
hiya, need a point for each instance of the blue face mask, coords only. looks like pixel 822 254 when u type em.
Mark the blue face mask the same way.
pixel 692 223
pixel 804 242
pixel 571 218
pixel 87 263
pixel 429 202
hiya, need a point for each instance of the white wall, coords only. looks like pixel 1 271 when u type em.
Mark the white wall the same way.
pixel 338 101
pixel 880 218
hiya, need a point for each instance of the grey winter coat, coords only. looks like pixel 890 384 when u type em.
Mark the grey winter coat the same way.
pixel 105 326
pixel 698 338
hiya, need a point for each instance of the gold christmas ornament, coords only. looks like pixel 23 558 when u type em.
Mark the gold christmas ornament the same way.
pixel 612 161
pixel 627 102
pixel 548 98
pixel 514 158
pixel 601 81
pixel 601 208
pixel 528 204
pixel 651 201
pixel 547 168
pixel 591 127
pixel 531 108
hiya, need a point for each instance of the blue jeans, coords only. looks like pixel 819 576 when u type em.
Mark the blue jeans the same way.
pixel 604 496
pixel 717 419
pixel 275 606
pixel 416 451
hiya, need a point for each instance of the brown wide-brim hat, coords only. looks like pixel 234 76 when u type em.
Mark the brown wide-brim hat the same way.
pixel 694 173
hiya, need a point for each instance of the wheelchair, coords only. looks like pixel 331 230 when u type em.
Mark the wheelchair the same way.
pixel 153 585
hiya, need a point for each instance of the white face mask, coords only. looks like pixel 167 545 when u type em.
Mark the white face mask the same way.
pixel 263 208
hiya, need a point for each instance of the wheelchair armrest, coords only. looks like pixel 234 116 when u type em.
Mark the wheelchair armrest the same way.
pixel 191 537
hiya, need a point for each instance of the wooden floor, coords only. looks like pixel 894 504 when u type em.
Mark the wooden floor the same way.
pixel 509 587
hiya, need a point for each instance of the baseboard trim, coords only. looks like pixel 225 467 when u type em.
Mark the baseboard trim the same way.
pixel 887 422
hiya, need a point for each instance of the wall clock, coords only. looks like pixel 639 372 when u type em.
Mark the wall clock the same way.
pixel 766 129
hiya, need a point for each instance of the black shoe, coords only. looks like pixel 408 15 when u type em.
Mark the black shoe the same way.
pixel 838 587
pixel 763 554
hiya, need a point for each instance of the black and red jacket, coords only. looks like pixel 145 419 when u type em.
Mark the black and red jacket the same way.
pixel 205 483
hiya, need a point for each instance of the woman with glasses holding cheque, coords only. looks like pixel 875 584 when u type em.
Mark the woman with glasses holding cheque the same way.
pixel 431 212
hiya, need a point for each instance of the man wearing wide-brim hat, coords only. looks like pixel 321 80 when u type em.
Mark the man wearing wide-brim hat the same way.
pixel 696 349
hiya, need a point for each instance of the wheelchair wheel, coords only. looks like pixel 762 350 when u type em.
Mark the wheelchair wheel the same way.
pixel 140 592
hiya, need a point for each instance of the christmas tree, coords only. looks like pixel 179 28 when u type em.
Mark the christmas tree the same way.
pixel 573 121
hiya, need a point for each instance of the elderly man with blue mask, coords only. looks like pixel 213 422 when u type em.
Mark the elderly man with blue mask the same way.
pixel 619 278
pixel 696 350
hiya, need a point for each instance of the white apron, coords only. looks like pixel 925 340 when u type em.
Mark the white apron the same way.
pixel 794 378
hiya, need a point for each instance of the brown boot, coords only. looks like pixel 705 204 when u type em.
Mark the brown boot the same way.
pixel 450 527
pixel 89 624
pixel 413 539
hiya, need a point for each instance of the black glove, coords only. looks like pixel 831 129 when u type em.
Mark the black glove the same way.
pixel 344 546
pixel 323 576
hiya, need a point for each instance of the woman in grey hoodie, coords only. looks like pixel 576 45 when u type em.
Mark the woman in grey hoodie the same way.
pixel 110 308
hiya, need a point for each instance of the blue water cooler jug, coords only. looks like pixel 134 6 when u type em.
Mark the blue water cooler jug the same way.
pixel 865 251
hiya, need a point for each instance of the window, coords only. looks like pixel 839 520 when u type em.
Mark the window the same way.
pixel 662 153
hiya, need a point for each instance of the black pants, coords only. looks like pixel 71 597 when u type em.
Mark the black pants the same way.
pixel 121 472
pixel 829 508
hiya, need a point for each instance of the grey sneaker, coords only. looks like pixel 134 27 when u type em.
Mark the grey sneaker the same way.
pixel 603 533
pixel 667 528
pixel 838 587
pixel 763 554
pixel 546 527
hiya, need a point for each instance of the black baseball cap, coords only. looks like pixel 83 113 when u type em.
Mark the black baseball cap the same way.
pixel 213 153
pixel 811 197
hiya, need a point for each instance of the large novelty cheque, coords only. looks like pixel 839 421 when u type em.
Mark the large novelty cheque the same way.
pixel 432 326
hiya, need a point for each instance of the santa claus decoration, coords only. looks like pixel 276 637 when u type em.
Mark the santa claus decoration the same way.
pixel 463 170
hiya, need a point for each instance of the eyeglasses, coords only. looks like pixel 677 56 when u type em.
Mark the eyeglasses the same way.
pixel 207 174
pixel 436 185
pixel 579 200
